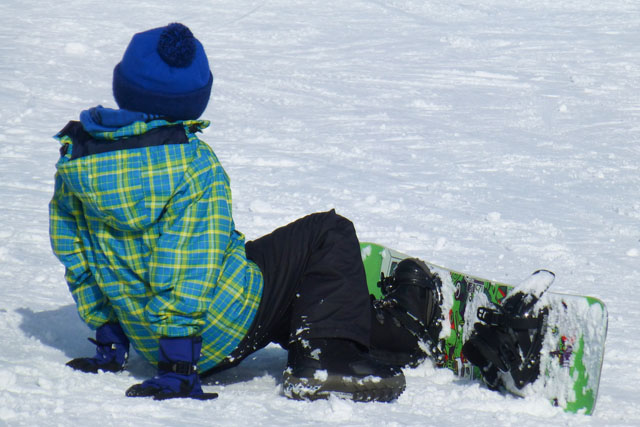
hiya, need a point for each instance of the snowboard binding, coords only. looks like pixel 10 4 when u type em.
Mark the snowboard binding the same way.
pixel 411 297
pixel 507 342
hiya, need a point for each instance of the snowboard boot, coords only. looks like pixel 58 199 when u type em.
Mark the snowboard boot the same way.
pixel 411 299
pixel 507 343
pixel 318 368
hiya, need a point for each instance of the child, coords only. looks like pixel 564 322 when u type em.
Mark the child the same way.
pixel 141 219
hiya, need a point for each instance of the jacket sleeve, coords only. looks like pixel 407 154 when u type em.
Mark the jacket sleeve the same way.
pixel 68 233
pixel 189 255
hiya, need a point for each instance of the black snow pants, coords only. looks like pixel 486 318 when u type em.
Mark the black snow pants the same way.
pixel 314 285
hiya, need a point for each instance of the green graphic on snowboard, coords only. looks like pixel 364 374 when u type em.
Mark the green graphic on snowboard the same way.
pixel 573 349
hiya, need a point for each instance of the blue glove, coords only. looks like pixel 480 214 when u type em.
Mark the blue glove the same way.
pixel 112 351
pixel 177 372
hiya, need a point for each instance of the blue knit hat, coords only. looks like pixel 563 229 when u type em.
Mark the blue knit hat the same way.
pixel 164 71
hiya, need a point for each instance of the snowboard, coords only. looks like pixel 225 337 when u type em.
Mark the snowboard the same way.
pixel 574 332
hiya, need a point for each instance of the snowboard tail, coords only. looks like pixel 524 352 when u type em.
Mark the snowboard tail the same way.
pixel 575 328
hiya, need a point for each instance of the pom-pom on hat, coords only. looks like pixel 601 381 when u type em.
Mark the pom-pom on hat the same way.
pixel 164 71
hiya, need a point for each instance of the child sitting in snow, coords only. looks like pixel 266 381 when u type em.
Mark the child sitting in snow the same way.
pixel 141 219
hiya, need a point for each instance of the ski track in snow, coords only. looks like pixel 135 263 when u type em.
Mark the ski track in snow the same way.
pixel 494 137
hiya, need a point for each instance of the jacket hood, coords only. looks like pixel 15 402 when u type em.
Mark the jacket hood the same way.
pixel 126 177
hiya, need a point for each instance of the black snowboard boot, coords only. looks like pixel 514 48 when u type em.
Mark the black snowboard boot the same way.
pixel 411 300
pixel 317 368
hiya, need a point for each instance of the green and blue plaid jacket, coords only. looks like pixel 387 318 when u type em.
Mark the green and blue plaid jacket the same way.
pixel 141 220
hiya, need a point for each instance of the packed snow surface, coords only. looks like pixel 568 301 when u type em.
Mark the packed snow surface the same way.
pixel 495 137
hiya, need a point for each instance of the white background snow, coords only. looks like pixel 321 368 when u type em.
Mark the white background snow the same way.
pixel 491 136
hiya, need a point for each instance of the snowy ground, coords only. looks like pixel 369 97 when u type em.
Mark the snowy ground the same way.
pixel 492 136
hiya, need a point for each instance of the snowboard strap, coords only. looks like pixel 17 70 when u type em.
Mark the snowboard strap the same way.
pixel 498 318
pixel 412 296
pixel 413 325
pixel 508 341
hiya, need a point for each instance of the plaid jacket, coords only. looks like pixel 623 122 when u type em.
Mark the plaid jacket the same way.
pixel 141 220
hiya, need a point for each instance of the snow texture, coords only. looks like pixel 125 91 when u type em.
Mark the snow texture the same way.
pixel 535 285
pixel 494 137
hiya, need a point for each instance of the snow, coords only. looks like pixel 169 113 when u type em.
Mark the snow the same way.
pixel 321 375
pixel 535 285
pixel 495 137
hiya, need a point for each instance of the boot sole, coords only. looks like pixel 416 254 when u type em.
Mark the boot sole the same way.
pixel 366 389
